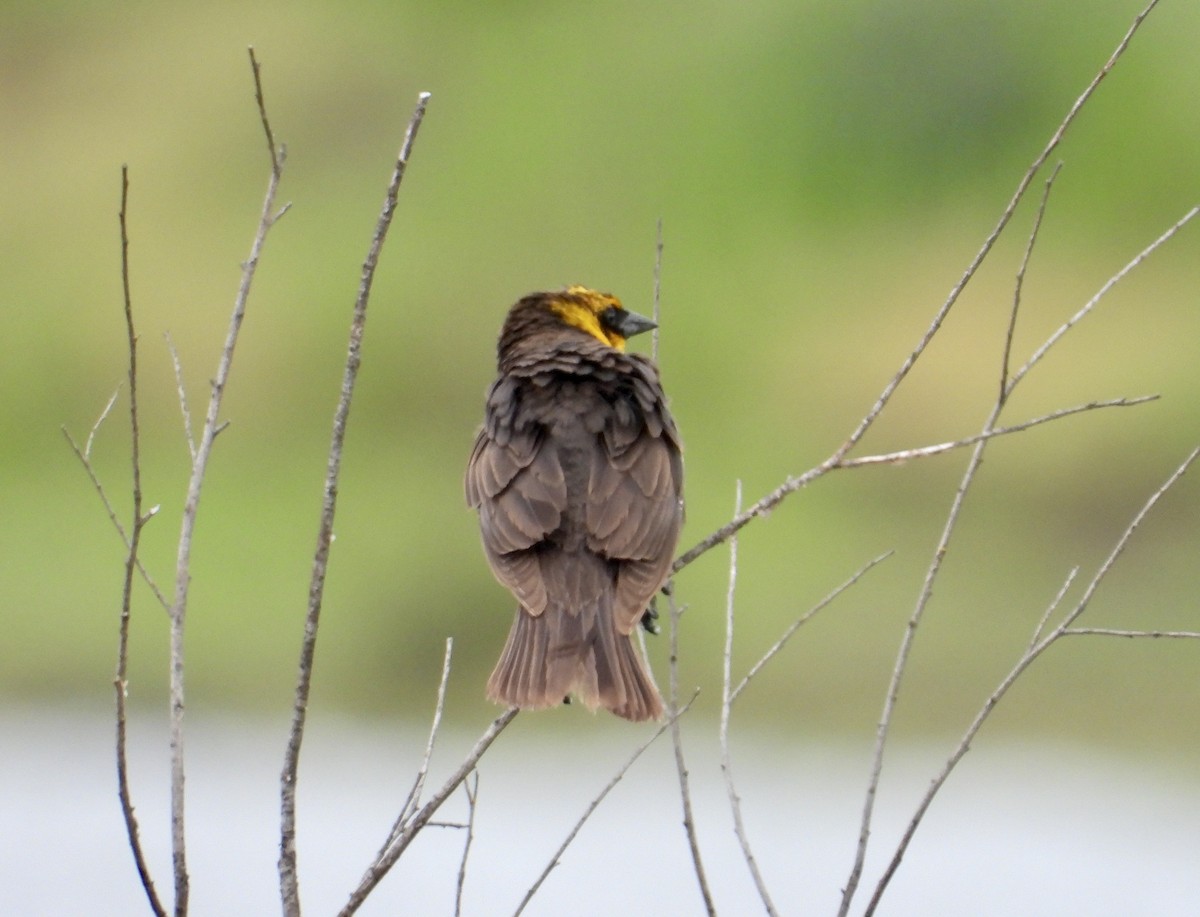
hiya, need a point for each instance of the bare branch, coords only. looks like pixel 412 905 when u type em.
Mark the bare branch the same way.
pixel 208 433
pixel 120 682
pixel 904 455
pixel 792 484
pixel 1110 632
pixel 595 804
pixel 414 794
pixel 804 618
pixel 1100 294
pixel 685 793
pixel 112 515
pixel 1020 282
pixel 378 869
pixel 277 154
pixel 288 880
pixel 764 506
pixel 96 485
pixel 968 478
pixel 902 656
pixel 1052 607
pixel 989 430
pixel 990 241
pixel 1031 653
pixel 87 449
pixel 939 554
pixel 964 746
pixel 1090 591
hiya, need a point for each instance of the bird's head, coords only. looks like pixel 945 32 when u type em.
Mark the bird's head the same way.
pixel 599 314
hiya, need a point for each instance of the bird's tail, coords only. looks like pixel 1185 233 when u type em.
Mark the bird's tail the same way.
pixel 549 657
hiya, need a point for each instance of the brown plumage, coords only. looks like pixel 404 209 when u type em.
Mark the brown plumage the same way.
pixel 577 476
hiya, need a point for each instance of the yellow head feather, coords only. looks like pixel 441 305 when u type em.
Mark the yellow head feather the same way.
pixel 584 309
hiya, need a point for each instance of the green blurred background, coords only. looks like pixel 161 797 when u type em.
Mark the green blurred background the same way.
pixel 824 172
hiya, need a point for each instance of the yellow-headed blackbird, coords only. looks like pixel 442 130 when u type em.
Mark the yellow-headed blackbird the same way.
pixel 577 476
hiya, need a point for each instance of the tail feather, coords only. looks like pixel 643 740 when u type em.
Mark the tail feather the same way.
pixel 561 652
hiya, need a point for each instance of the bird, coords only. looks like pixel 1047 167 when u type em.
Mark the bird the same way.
pixel 577 477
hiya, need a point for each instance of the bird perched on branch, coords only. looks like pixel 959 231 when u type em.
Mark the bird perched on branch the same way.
pixel 577 476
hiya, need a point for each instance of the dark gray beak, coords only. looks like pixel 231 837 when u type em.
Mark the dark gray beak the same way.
pixel 627 324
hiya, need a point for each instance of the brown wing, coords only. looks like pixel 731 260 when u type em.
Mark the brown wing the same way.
pixel 634 500
pixel 520 493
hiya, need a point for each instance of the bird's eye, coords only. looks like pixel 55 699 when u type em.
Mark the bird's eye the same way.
pixel 611 317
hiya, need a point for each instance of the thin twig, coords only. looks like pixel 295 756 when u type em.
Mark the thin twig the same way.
pixel 904 455
pixel 96 485
pixel 963 747
pixel 943 544
pixel 120 682
pixel 1100 294
pixel 939 554
pixel 471 788
pixel 803 619
pixel 380 867
pixel 84 454
pixel 1111 632
pixel 208 433
pixel 685 793
pixel 87 448
pixel 990 241
pixel 1090 591
pixel 182 392
pixel 1027 658
pixel 112 515
pixel 1052 607
pixel 276 154
pixel 727 693
pixel 414 794
pixel 1035 649
pixel 792 484
pixel 1019 286
pixel 595 804
pixel 288 880
pixel 764 506
pixel 902 655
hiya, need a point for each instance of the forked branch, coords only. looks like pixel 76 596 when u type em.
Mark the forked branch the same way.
pixel 203 452
pixel 1036 648
pixel 839 458
pixel 383 864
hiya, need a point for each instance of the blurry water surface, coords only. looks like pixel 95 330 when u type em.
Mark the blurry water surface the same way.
pixel 1019 830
